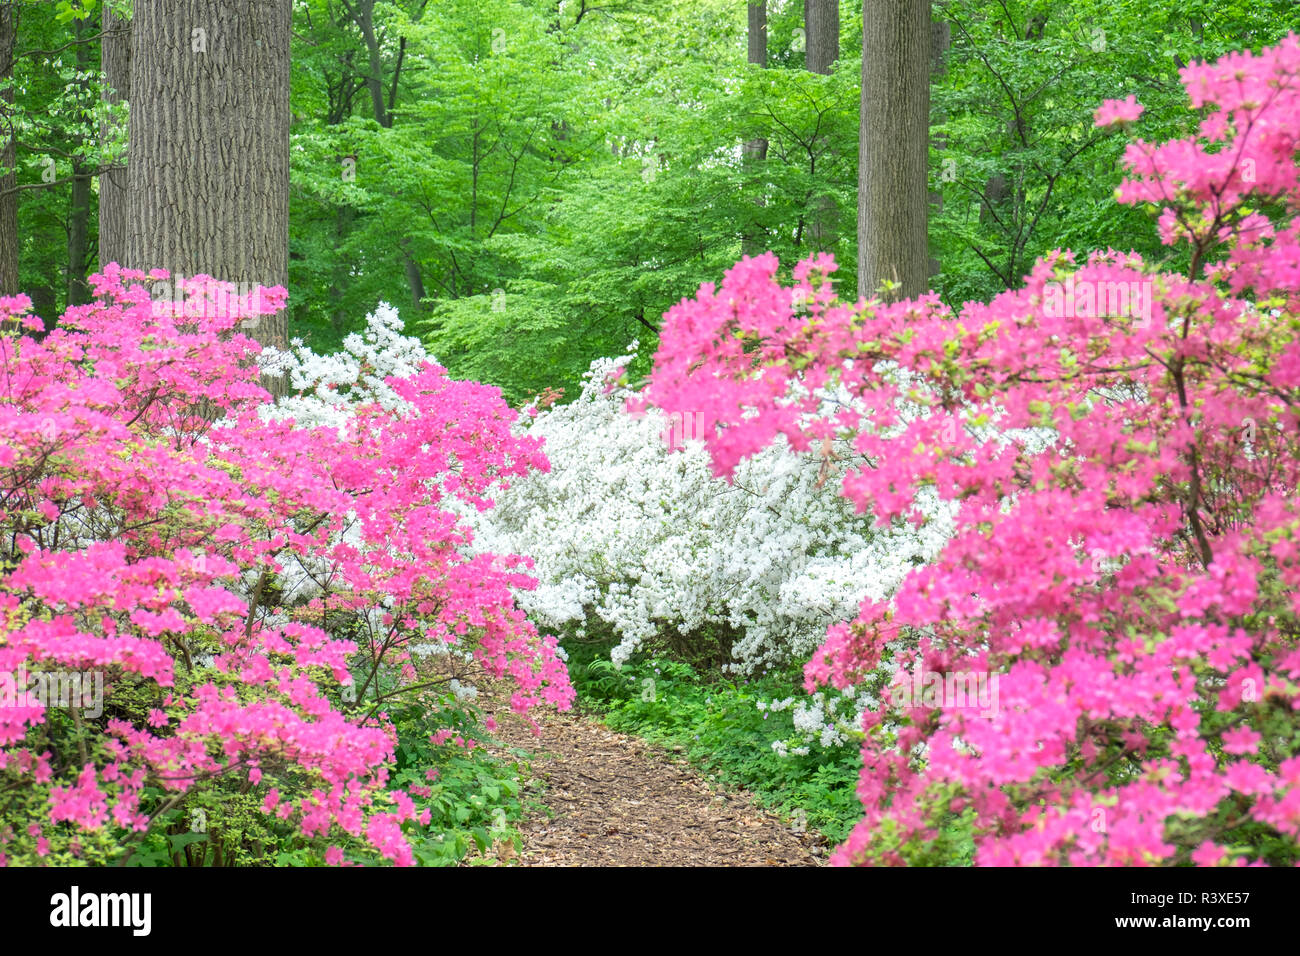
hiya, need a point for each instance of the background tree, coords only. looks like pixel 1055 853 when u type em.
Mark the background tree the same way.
pixel 56 150
pixel 822 23
pixel 208 178
pixel 894 147
pixel 116 61
pixel 535 182
pixel 1022 170
pixel 822 20
pixel 8 152
pixel 756 148
pixel 79 254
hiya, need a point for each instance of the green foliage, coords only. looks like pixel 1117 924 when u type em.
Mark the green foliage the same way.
pixel 1020 166
pixel 56 124
pixel 538 182
pixel 474 801
pixel 551 180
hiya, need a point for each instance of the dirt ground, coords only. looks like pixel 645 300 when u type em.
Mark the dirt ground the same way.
pixel 614 800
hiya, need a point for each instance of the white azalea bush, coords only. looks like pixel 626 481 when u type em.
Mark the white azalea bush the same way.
pixel 647 542
pixel 324 388
pixel 643 545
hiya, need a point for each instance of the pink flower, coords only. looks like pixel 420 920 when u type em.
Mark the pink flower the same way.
pixel 1208 854
pixel 1118 111
pixel 1240 740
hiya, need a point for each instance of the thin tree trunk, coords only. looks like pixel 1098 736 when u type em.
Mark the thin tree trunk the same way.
pixel 893 148
pixel 822 29
pixel 208 180
pixel 363 17
pixel 45 302
pixel 754 152
pixel 365 21
pixel 115 51
pixel 940 40
pixel 8 152
pixel 995 211
pixel 415 279
pixel 79 213
pixel 79 235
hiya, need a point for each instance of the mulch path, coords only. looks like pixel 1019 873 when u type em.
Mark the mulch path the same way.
pixel 615 800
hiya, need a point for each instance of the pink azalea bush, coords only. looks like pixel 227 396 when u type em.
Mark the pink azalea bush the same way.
pixel 1123 446
pixel 151 512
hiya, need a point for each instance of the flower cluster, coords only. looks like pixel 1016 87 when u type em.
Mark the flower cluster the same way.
pixel 629 535
pixel 250 589
pixel 326 389
pixel 1126 591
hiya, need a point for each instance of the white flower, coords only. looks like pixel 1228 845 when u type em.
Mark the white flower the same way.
pixel 331 385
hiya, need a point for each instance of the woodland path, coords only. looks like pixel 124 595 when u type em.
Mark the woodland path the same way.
pixel 616 800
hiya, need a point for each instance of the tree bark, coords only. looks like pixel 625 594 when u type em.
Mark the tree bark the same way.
pixel 754 152
pixel 115 52
pixel 893 148
pixel 757 48
pixel 415 279
pixel 821 19
pixel 8 152
pixel 940 41
pixel 822 33
pixel 208 179
pixel 79 234
pixel 79 213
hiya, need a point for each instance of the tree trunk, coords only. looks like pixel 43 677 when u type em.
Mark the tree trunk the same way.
pixel 415 279
pixel 822 28
pixel 940 41
pixel 893 150
pixel 758 34
pixel 79 213
pixel 8 152
pixel 1002 206
pixel 364 18
pixel 79 235
pixel 365 21
pixel 754 152
pixel 45 302
pixel 208 180
pixel 821 20
pixel 116 60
